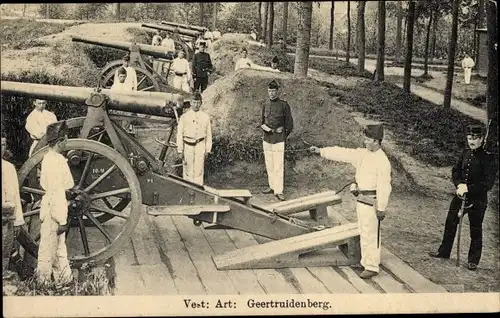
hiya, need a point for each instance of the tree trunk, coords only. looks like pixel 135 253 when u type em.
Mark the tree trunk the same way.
pixel 214 26
pixel 427 40
pixel 24 10
pixel 434 36
pixel 381 42
pixel 332 25
pixel 303 39
pixel 451 55
pixel 271 25
pixel 259 22
pixel 409 46
pixel 479 25
pixel 117 11
pixel 266 12
pixel 202 14
pixel 284 26
pixel 348 32
pixel 399 25
pixel 360 38
pixel 492 86
pixel 47 11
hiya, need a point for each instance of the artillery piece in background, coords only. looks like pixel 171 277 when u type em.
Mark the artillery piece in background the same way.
pixel 186 26
pixel 114 182
pixel 179 35
pixel 147 78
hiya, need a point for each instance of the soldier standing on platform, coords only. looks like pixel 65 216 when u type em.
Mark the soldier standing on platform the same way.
pixel 474 175
pixel 56 180
pixel 37 122
pixel 372 188
pixel 12 212
pixel 194 140
pixel 202 67
pixel 277 124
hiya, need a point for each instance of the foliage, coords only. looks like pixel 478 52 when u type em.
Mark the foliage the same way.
pixel 19 35
pixel 413 121
pixel 189 13
pixel 87 11
pixel 58 11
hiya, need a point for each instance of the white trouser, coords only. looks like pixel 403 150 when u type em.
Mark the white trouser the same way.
pixel 32 148
pixel 274 155
pixel 194 162
pixel 181 82
pixel 368 226
pixel 52 254
pixel 467 74
pixel 157 66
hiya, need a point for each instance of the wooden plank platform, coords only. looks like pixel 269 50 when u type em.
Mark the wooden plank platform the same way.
pixel 169 255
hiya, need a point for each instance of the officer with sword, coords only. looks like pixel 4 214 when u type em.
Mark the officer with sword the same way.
pixel 372 189
pixel 473 175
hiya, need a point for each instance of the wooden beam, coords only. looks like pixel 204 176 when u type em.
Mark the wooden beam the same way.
pixel 157 210
pixel 285 253
pixel 306 203
pixel 352 249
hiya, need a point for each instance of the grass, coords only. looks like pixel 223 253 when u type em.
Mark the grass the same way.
pixel 20 35
pixel 427 132
pixel 337 67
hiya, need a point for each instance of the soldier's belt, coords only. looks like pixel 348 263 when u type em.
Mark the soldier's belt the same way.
pixel 193 141
pixel 180 74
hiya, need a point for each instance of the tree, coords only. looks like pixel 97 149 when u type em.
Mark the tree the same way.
pixel 266 12
pixel 47 11
pixel 214 26
pixel 451 55
pixel 427 40
pixel 397 55
pixel 259 21
pixel 492 86
pixel 89 11
pixel 284 26
pixel 271 25
pixel 303 39
pixel 409 46
pixel 479 25
pixel 24 10
pixel 381 42
pixel 361 36
pixel 348 52
pixel 202 14
pixel 332 25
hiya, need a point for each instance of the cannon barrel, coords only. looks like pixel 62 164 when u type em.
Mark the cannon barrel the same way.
pixel 154 51
pixel 148 103
pixel 185 26
pixel 168 28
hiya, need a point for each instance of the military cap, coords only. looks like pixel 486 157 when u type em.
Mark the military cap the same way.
pixel 275 59
pixel 197 96
pixel 203 43
pixel 122 70
pixel 475 130
pixel 273 85
pixel 57 130
pixel 374 131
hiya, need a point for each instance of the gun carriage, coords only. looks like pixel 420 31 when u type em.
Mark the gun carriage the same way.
pixel 147 78
pixel 114 181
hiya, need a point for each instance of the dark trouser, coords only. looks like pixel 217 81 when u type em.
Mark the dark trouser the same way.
pixel 476 216
pixel 200 83
pixel 7 242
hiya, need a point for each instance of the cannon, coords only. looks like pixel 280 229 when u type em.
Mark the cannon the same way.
pixel 115 180
pixel 186 26
pixel 147 78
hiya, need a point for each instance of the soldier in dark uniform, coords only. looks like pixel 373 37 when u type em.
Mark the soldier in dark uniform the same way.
pixel 201 68
pixel 473 175
pixel 277 124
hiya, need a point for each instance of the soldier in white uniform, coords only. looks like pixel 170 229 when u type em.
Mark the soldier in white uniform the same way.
pixel 372 188
pixel 194 140
pixel 182 72
pixel 131 79
pixel 467 65
pixel 55 180
pixel 156 41
pixel 245 62
pixel 37 122
pixel 12 212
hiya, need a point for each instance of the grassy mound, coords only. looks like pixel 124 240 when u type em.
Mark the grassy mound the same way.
pixel 226 51
pixel 431 134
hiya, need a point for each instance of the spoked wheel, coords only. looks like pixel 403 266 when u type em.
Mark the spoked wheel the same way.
pixel 188 52
pixel 145 80
pixel 104 177
pixel 99 134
